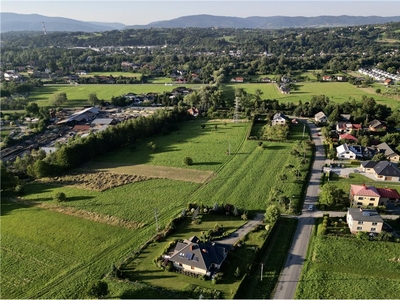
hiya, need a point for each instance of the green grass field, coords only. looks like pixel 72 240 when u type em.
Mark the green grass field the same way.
pixel 78 95
pixel 45 254
pixel 348 268
pixel 336 91
pixel 87 248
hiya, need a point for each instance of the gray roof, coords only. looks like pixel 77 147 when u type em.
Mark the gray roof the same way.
pixel 200 255
pixel 104 121
pixel 368 215
pixel 386 168
pixel 385 148
pixel 278 116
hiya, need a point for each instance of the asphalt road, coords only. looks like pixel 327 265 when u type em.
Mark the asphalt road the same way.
pixel 290 275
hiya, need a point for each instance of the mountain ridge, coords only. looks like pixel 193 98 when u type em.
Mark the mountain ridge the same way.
pixel 33 22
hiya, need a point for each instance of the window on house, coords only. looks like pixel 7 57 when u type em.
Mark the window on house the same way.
pixel 359 228
pixel 360 222
pixel 371 204
pixel 359 203
pixel 180 265
pixel 374 223
pixel 372 199
pixel 360 198
pixel 373 229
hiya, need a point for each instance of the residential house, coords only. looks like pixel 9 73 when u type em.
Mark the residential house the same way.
pixel 348 137
pixel 285 89
pixel 279 119
pixel 363 195
pixel 388 81
pixel 376 125
pixel 326 78
pixel 347 127
pixel 200 258
pixel 193 111
pixel 389 153
pixel 382 170
pixel 266 79
pixel 344 152
pixel 389 197
pixel 367 220
pixel 341 78
pixel 237 79
pixel 321 117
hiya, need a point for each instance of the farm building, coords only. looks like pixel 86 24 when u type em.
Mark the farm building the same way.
pixel 279 119
pixel 321 117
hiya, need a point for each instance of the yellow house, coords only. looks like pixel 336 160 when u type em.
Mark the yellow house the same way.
pixel 367 220
pixel 362 195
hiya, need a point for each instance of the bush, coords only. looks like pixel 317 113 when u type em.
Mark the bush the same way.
pixel 217 278
pixel 60 197
pixel 188 161
pixel 19 189
pixel 98 289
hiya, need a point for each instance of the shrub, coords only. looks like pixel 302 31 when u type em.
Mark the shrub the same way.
pixel 188 161
pixel 60 197
pixel 169 267
pixel 237 272
pixel 217 278
pixel 98 289
pixel 19 189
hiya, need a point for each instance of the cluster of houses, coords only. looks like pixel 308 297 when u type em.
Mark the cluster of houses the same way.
pixel 329 78
pixel 352 152
pixel 369 220
pixel 380 75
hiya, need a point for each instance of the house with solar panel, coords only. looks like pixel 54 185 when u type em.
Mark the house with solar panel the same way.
pixel 200 258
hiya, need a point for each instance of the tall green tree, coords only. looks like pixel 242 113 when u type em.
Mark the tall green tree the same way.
pixel 58 99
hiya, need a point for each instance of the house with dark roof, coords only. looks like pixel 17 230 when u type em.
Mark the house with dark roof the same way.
pixel 389 152
pixel 200 258
pixel 382 170
pixel 376 125
pixel 367 220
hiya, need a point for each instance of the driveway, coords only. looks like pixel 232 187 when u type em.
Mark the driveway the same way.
pixel 241 231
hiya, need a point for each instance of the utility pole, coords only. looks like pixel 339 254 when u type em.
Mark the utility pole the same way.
pixel 155 214
pixel 262 269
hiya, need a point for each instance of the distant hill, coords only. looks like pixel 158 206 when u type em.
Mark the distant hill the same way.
pixel 275 22
pixel 33 22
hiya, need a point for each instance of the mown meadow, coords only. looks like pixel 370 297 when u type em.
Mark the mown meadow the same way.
pixel 86 249
pixel 336 91
pixel 349 268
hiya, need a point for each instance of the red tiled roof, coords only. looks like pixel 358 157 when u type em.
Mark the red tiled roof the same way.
pixel 347 137
pixel 356 126
pixel 388 193
pixel 363 190
pixel 81 127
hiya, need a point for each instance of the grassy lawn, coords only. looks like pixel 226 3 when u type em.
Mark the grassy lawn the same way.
pixel 336 268
pixel 144 270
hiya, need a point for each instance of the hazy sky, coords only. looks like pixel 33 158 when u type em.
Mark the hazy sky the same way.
pixel 143 12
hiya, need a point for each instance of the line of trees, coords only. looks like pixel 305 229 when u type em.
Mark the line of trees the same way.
pixel 81 150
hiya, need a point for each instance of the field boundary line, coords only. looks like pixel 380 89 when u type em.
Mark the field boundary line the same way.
pixel 83 214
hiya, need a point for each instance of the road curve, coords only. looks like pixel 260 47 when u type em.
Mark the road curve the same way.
pixel 290 275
